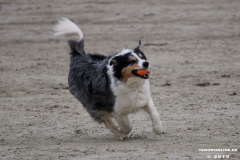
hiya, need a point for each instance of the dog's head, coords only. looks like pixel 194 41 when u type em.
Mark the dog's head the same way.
pixel 128 63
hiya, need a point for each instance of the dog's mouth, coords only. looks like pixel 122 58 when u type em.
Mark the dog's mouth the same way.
pixel 143 73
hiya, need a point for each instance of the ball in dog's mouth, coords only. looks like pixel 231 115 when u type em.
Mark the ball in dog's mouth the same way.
pixel 143 73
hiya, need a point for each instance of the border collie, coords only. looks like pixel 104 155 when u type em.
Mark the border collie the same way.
pixel 109 86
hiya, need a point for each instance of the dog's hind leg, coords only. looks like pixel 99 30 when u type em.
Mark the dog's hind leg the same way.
pixel 123 123
pixel 152 111
pixel 110 125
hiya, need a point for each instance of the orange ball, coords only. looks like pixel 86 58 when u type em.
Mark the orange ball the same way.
pixel 142 72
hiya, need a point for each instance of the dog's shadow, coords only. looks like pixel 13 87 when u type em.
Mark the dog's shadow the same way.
pixel 96 138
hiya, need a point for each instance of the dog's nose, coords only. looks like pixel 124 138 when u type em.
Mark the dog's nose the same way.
pixel 145 64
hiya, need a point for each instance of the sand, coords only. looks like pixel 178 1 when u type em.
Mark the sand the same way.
pixel 195 78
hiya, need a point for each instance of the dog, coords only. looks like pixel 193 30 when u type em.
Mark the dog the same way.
pixel 109 86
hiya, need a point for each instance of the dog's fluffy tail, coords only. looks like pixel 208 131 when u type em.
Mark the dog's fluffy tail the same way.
pixel 70 30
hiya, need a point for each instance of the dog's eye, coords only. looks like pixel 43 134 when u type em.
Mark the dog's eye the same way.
pixel 133 60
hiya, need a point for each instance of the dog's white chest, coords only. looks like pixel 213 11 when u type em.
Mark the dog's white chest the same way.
pixel 131 97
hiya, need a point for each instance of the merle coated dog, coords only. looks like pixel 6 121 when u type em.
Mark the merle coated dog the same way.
pixel 109 86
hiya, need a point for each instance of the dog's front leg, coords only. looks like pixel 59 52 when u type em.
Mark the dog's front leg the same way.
pixel 156 121
pixel 110 125
pixel 123 123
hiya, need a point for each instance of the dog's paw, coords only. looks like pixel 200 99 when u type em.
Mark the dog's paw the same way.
pixel 126 130
pixel 158 129
pixel 122 136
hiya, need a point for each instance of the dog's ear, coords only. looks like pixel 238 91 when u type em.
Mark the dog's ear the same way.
pixel 141 45
pixel 113 62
